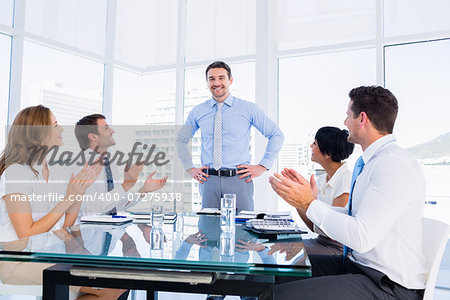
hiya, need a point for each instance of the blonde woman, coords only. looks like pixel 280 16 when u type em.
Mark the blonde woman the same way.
pixel 30 186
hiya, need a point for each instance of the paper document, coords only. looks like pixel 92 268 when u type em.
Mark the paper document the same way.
pixel 106 219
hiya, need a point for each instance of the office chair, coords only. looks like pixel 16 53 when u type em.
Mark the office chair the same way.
pixel 435 235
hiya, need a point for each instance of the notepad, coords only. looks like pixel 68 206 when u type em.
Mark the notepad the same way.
pixel 106 219
pixel 209 211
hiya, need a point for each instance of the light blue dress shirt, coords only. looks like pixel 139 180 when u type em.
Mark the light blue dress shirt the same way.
pixel 238 118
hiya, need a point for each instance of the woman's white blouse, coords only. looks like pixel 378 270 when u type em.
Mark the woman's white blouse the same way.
pixel 41 195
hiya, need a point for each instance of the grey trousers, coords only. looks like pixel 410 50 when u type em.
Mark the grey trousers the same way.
pixel 333 279
pixel 215 186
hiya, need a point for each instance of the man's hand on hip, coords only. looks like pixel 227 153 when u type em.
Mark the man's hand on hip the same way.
pixel 198 174
pixel 250 170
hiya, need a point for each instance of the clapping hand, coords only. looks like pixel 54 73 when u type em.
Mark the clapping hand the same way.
pixel 151 185
pixel 131 175
pixel 293 188
pixel 80 182
pixel 292 175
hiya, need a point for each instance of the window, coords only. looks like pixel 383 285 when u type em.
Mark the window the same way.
pixel 5 50
pixel 80 24
pixel 313 92
pixel 6 12
pixel 217 28
pixel 69 85
pixel 146 32
pixel 418 74
pixel 415 16
pixel 127 98
pixel 308 23
pixel 144 99
pixel 159 98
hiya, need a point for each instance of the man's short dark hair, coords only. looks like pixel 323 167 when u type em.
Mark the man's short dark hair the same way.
pixel 84 126
pixel 216 65
pixel 332 141
pixel 378 103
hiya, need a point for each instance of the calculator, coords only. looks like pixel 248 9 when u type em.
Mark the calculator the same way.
pixel 273 226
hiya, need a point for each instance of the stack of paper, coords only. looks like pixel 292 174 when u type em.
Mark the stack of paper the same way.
pixel 106 219
pixel 209 211
pixel 248 214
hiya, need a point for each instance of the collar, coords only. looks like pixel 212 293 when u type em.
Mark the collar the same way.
pixel 336 176
pixel 377 145
pixel 229 101
pixel 87 155
pixel 88 152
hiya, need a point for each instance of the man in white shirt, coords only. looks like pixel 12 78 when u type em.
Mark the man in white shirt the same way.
pixel 381 225
pixel 95 136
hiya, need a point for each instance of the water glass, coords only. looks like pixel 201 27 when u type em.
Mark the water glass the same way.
pixel 227 243
pixel 157 216
pixel 157 239
pixel 228 212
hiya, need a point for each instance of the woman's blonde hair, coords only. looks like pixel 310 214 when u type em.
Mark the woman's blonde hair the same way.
pixel 27 133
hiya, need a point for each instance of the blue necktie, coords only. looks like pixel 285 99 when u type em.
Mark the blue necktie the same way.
pixel 110 182
pixel 106 244
pixel 359 165
pixel 109 177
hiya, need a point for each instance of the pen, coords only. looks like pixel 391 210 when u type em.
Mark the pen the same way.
pixel 117 217
pixel 239 220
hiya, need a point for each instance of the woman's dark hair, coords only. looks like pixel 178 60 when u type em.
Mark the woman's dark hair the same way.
pixel 332 141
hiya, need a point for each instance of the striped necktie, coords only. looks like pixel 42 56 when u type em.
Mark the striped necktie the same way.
pixel 217 151
pixel 359 165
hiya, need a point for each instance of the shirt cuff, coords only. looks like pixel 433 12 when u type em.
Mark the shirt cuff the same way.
pixel 316 212
pixel 319 231
pixel 188 165
pixel 266 163
pixel 123 199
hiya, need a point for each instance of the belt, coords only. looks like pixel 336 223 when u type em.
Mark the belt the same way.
pixel 222 172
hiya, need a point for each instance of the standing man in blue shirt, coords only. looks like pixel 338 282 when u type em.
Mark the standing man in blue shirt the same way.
pixel 225 122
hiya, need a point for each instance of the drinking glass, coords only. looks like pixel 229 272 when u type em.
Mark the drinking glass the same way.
pixel 228 212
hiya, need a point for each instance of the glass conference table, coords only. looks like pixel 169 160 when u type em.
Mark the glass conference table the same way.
pixel 189 254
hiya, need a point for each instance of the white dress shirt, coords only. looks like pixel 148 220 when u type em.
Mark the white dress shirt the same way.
pixel 329 190
pixel 385 229
pixel 101 200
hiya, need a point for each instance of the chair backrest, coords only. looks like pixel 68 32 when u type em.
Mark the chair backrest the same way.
pixel 435 235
